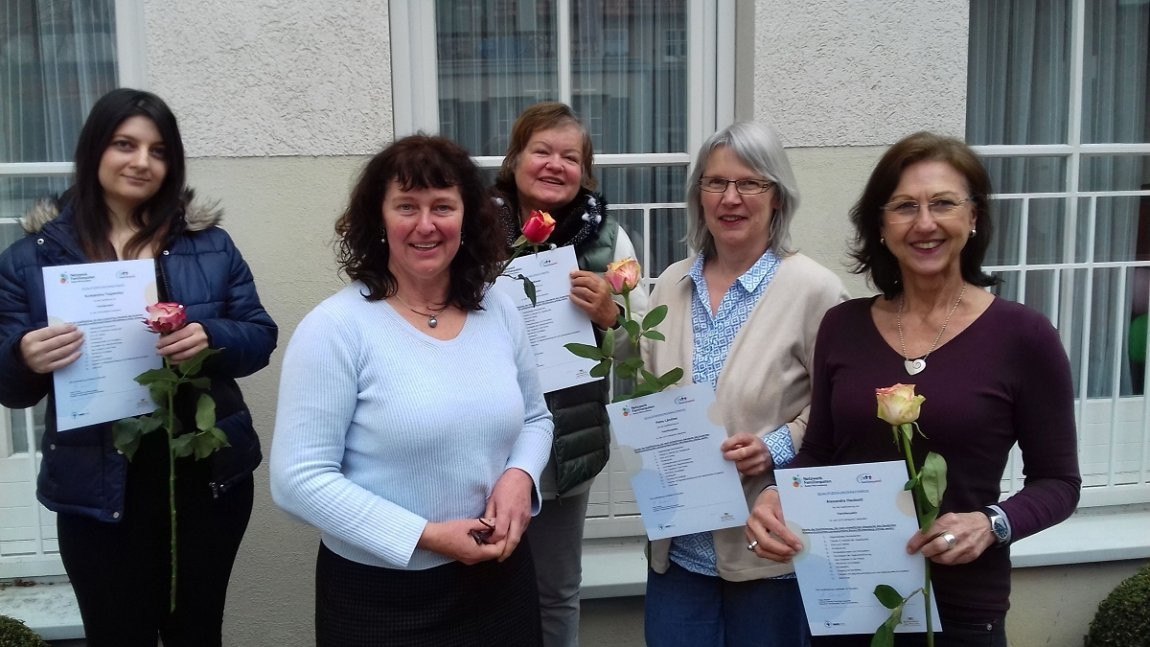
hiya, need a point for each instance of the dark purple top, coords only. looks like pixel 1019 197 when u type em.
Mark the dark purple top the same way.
pixel 1004 379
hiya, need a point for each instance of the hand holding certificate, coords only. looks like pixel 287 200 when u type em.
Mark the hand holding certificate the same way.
pixel 854 521
pixel 552 320
pixel 106 302
pixel 670 447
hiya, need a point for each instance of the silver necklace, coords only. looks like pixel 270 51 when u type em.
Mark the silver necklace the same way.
pixel 432 317
pixel 916 366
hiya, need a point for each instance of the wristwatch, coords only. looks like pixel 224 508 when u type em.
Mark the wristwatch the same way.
pixel 999 526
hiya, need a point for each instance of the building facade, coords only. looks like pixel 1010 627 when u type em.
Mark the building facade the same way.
pixel 281 103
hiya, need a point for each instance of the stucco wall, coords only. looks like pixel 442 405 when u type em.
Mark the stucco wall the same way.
pixel 252 77
pixel 858 73
pixel 281 212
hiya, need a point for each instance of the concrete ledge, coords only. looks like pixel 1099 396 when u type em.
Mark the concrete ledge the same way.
pixel 46 605
pixel 618 566
pixel 1091 535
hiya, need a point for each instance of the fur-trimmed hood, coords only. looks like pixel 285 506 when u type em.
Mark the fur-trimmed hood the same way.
pixel 198 214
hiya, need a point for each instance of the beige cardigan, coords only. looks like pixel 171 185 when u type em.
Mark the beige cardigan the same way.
pixel 765 383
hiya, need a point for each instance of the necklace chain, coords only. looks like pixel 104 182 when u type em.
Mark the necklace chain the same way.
pixel 432 317
pixel 937 338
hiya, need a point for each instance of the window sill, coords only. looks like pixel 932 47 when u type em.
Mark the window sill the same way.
pixel 47 606
pixel 614 567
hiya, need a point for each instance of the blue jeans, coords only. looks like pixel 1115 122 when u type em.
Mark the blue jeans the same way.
pixel 684 608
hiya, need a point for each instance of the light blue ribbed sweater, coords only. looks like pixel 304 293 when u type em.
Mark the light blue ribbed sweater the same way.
pixel 381 429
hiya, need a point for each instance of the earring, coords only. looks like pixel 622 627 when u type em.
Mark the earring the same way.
pixel 973 231
pixel 461 241
pixel 882 241
pixel 383 238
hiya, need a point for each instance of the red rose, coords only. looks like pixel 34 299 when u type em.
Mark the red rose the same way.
pixel 538 227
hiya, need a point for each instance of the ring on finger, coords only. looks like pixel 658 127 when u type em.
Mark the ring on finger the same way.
pixel 950 539
pixel 753 545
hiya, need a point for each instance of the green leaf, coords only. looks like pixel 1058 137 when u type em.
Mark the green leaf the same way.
pixel 159 391
pixel 126 436
pixel 157 375
pixel 220 437
pixel 182 445
pixel 655 317
pixel 586 351
pixel 654 334
pixel 670 377
pixel 627 371
pixel 928 517
pixel 883 637
pixel 602 369
pixel 201 383
pixel 205 412
pixel 528 289
pixel 191 367
pixel 632 328
pixel 887 596
pixel 148 424
pixel 631 364
pixel 933 475
pixel 519 242
pixel 912 483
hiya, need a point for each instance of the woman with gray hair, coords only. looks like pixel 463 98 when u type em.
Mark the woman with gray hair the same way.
pixel 743 314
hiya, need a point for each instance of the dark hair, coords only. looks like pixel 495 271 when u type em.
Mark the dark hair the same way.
pixel 154 217
pixel 420 162
pixel 544 116
pixel 871 256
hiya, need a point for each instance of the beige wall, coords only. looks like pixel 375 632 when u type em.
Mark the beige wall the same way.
pixel 280 212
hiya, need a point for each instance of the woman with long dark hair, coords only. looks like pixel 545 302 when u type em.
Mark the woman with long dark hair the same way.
pixel 129 201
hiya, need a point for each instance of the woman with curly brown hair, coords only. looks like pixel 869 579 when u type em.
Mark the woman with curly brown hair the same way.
pixel 411 427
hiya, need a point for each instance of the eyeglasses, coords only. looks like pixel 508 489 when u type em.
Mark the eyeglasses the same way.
pixel 744 187
pixel 904 211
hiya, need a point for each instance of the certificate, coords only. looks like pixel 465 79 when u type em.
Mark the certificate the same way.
pixel 108 302
pixel 669 444
pixel 854 522
pixel 553 321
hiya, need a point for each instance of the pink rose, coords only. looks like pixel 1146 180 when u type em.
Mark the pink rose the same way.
pixel 623 275
pixel 538 227
pixel 165 318
pixel 898 405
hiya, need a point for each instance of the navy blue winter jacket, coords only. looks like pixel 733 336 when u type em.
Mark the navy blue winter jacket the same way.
pixel 200 267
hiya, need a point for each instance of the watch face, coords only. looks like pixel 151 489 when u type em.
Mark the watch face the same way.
pixel 998 527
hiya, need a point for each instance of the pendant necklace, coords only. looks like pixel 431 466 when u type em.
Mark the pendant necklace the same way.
pixel 432 317
pixel 916 366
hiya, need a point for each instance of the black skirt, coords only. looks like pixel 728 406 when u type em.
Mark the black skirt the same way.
pixel 490 603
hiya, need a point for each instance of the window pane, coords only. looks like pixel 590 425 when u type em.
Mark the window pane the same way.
pixel 496 57
pixel 1026 174
pixel 19 194
pixel 1018 81
pixel 57 58
pixel 1045 223
pixel 1116 229
pixel 629 74
pixel 1116 69
pixel 1114 173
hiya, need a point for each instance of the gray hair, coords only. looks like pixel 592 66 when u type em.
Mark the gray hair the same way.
pixel 756 145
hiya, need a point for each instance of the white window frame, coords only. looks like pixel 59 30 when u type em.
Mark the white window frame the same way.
pixel 1111 520
pixel 43 560
pixel 1073 151
pixel 711 105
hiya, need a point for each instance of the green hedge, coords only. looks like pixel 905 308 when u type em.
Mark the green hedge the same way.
pixel 13 633
pixel 1123 618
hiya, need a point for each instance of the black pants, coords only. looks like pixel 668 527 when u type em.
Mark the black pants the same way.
pixel 490 603
pixel 120 571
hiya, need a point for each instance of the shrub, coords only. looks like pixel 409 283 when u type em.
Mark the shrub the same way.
pixel 13 633
pixel 1123 618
